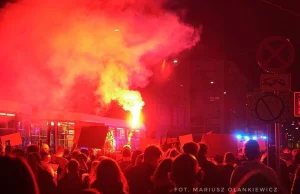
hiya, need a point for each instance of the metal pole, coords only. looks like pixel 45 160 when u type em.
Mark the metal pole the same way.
pixel 269 126
pixel 277 144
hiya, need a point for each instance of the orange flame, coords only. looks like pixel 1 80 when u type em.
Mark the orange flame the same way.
pixel 111 43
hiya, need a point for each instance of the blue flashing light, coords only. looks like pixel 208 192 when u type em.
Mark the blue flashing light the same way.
pixel 239 136
pixel 254 138
pixel 264 137
pixel 246 137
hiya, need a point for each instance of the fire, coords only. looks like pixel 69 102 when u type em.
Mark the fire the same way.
pixel 131 101
pixel 112 44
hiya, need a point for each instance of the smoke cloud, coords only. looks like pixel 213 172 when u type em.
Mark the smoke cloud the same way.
pixel 54 53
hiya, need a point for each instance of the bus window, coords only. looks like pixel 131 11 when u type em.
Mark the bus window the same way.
pixel 65 134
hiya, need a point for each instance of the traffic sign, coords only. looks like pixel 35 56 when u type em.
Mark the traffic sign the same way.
pixel 267 108
pixel 297 104
pixel 275 82
pixel 275 54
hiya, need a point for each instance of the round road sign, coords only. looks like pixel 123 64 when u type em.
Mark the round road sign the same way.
pixel 275 54
pixel 269 108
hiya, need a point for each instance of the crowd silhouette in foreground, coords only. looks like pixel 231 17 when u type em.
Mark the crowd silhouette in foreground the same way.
pixel 153 171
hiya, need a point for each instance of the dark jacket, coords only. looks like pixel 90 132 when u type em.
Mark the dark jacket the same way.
pixel 139 178
pixel 296 182
pixel 210 173
pixel 284 172
pixel 225 172
pixel 246 167
pixel 70 184
pixel 105 188
pixel 45 181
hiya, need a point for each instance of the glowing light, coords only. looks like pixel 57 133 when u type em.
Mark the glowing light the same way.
pixel 225 92
pixel 254 138
pixel 264 137
pixel 296 128
pixel 52 123
pixel 10 115
pixel 3 114
pixel 71 123
pixel 239 136
pixel 58 124
pixel 175 61
pixel 246 137
pixel 81 43
pixel 212 82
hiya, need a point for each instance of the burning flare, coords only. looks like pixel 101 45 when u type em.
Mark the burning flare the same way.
pixel 47 45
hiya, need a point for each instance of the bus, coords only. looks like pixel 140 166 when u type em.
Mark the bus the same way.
pixel 60 128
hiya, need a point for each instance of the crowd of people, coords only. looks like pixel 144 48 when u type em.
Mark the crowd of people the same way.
pixel 153 171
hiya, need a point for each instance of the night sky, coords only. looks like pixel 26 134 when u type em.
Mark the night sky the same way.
pixel 237 28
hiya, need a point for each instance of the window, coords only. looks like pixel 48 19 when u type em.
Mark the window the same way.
pixel 215 98
pixel 65 134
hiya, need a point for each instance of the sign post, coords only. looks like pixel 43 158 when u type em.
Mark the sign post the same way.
pixel 277 146
pixel 270 108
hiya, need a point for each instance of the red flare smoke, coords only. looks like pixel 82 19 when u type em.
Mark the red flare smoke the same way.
pixel 46 45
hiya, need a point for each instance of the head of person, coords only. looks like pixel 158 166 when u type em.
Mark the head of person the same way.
pixel 152 155
pixel 127 147
pixel 34 161
pixel 184 171
pixel 161 174
pixel 139 159
pixel 8 150
pixel 73 166
pixel 85 151
pixel 126 153
pixel 218 159
pixel 74 154
pixel 16 176
pixel 173 153
pixel 109 177
pixel 134 156
pixel 82 157
pixel 45 157
pixel 252 150
pixel 45 148
pixel 191 148
pixel 33 149
pixel 229 158
pixel 202 153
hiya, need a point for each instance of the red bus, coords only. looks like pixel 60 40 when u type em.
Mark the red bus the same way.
pixel 60 128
